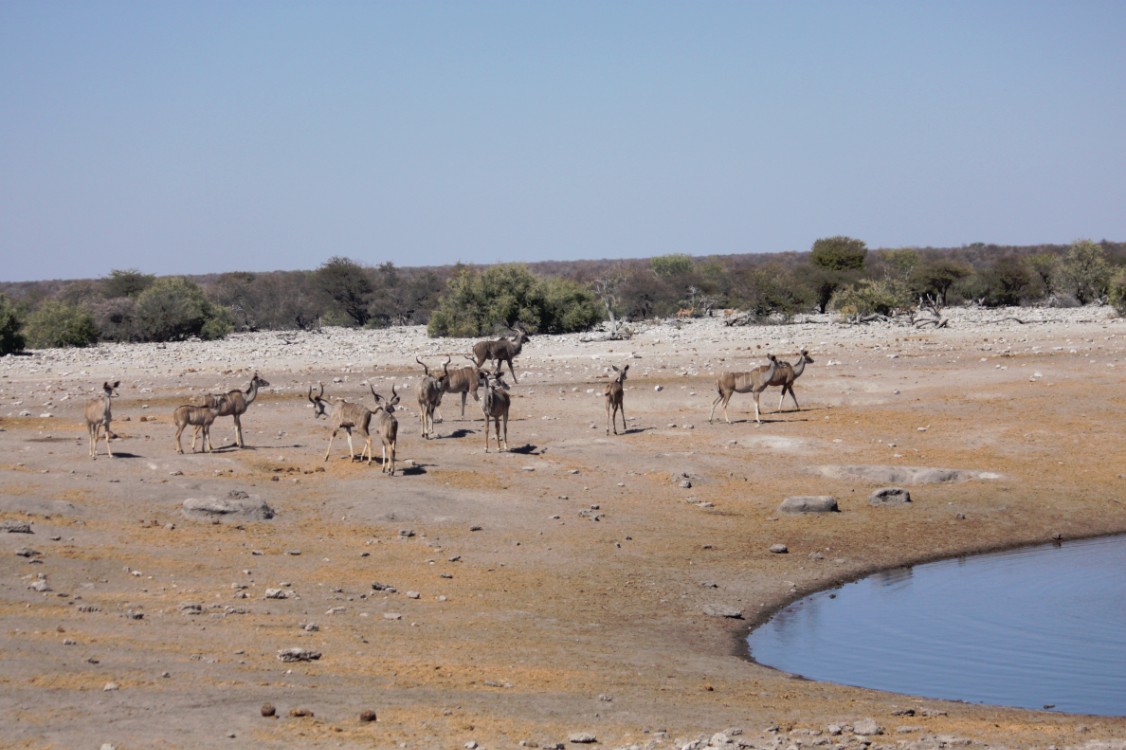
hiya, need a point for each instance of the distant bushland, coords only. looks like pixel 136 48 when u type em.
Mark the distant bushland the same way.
pixel 838 274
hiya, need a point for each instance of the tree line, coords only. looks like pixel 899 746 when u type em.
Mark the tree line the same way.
pixel 838 274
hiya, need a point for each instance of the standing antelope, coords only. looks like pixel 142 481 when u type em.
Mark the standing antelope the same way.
pixel 500 350
pixel 753 381
pixel 430 390
pixel 97 413
pixel 388 427
pixel 199 417
pixel 495 406
pixel 347 417
pixel 465 381
pixel 615 393
pixel 237 402
pixel 787 374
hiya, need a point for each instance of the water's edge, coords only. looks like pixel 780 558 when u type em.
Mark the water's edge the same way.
pixel 823 604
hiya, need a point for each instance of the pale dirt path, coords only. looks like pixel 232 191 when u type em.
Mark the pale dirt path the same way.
pixel 561 588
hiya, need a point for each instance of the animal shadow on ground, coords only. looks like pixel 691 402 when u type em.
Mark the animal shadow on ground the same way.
pixel 789 419
pixel 459 433
pixel 527 449
pixel 792 414
pixel 415 470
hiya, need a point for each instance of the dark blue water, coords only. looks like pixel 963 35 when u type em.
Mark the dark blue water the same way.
pixel 1031 628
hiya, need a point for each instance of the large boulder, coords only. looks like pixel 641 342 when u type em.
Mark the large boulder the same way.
pixel 890 496
pixel 236 505
pixel 809 504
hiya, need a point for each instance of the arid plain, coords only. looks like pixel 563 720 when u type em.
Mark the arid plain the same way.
pixel 582 589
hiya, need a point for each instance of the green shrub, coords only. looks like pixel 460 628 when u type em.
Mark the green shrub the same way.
pixel 569 307
pixel 218 326
pixel 839 254
pixel 1116 293
pixel 480 303
pixel 173 309
pixel 1084 272
pixel 60 324
pixel 673 266
pixel 114 318
pixel 11 338
pixel 867 297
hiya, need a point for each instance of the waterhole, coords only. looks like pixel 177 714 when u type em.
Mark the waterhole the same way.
pixel 1038 627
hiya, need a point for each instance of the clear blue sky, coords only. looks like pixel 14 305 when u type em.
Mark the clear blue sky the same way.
pixel 200 136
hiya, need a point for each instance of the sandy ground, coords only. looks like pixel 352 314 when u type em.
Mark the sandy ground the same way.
pixel 577 590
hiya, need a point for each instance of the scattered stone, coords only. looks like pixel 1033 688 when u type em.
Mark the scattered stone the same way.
pixel 268 710
pixel 298 713
pixel 582 738
pixel 368 716
pixel 867 728
pixel 191 608
pixel 28 552
pixel 277 594
pixel 722 610
pixel 235 505
pixel 810 504
pixel 16 527
pixel 779 549
pixel 890 496
pixel 110 687
pixel 298 654
pixel 902 474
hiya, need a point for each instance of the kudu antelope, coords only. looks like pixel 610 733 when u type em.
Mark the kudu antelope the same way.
pixel 500 350
pixel 344 416
pixel 464 381
pixel 430 390
pixel 495 407
pixel 97 413
pixel 201 418
pixel 753 382
pixel 615 393
pixel 237 402
pixel 388 427
pixel 785 376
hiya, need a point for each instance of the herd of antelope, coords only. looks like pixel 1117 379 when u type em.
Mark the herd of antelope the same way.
pixel 464 381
